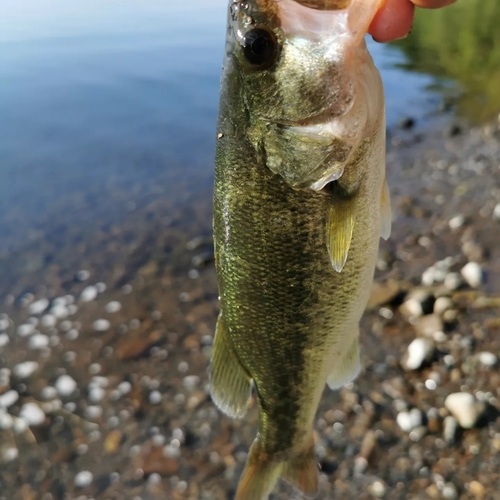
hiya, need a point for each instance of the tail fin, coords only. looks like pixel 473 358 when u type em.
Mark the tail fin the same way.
pixel 262 472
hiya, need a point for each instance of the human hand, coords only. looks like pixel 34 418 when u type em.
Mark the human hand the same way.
pixel 395 18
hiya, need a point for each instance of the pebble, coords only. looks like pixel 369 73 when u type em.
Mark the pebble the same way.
pixel 83 275
pixel 96 394
pixel 72 334
pixel 449 491
pixel 417 303
pixel 457 221
pixel 48 321
pixel 65 385
pixel 48 392
pixel 409 420
pixel 496 212
pixel 8 399
pixel 4 339
pixel 101 287
pixel 419 351
pixel 476 489
pixel 25 369
pixel 124 387
pixel 89 293
pixel 4 324
pixel 38 306
pixel 155 397
pixel 93 412
pixel 473 274
pixel 450 426
pixel 83 479
pixel 25 330
pixel 6 421
pixel 10 454
pixel 60 311
pixel 113 307
pixel 442 304
pixel 38 341
pixel 487 359
pixel 19 426
pixel 452 281
pixel 32 414
pixel 101 325
pixel 464 408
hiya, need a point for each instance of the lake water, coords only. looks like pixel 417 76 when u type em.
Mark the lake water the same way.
pixel 105 96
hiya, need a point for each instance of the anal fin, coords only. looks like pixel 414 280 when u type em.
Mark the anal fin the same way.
pixel 339 228
pixel 230 384
pixel 348 369
pixel 385 212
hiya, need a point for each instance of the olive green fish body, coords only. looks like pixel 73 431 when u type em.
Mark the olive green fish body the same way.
pixel 289 319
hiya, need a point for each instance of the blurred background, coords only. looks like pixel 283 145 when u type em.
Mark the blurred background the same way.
pixel 107 290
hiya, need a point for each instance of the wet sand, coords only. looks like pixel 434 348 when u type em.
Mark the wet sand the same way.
pixel 119 409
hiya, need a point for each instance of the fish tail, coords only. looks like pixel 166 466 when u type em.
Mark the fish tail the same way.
pixel 263 470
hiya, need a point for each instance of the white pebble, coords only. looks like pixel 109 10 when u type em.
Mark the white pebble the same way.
pixel 155 397
pixel 442 304
pixel 89 293
pixel 4 339
pixel 83 275
pixel 6 421
pixel 25 330
pixel 191 381
pixel 65 385
pixel 419 351
pixel 93 412
pixel 10 454
pixel 101 287
pixel 60 311
pixel 38 306
pixel 4 324
pixel 8 399
pixel 19 426
pixel 154 479
pixel 496 212
pixel 48 321
pixel 473 274
pixel 25 369
pixel 464 408
pixel 96 394
pixel 452 281
pixel 408 420
pixel 124 387
pixel 113 307
pixel 83 479
pixel 48 392
pixel 32 414
pixel 457 221
pixel 72 309
pixel 38 341
pixel 72 334
pixel 487 359
pixel 101 325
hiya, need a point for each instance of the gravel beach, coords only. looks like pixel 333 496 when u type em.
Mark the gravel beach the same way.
pixel 105 341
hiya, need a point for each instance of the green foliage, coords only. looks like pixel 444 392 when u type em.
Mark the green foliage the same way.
pixel 461 42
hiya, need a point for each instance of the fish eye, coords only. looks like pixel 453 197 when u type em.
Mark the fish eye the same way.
pixel 259 47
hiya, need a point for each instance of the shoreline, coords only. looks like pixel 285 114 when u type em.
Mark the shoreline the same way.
pixel 146 427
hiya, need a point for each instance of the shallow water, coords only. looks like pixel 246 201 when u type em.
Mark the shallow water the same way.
pixel 106 105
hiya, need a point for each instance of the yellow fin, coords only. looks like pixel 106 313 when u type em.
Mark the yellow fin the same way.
pixel 385 213
pixel 230 385
pixel 348 369
pixel 262 472
pixel 339 228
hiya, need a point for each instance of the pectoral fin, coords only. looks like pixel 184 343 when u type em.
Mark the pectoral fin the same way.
pixel 348 369
pixel 230 384
pixel 385 212
pixel 339 228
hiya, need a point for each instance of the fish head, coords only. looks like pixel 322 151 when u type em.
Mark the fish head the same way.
pixel 299 78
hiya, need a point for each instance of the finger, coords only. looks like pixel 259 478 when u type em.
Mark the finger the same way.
pixel 393 20
pixel 432 4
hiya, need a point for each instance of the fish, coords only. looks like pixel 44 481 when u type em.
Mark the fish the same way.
pixel 299 205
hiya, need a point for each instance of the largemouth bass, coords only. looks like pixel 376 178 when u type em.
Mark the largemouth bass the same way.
pixel 300 203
